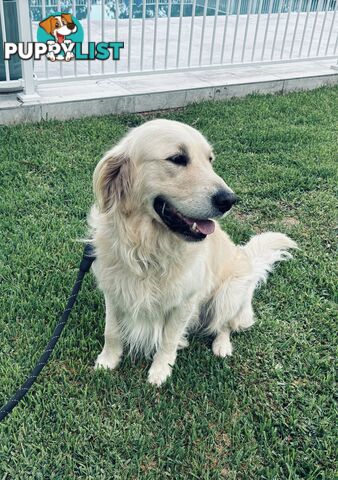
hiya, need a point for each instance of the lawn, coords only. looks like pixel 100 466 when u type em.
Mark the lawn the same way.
pixel 265 413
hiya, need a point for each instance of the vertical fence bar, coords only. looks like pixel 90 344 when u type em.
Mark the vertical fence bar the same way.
pixel 323 26
pixel 256 29
pixel 43 13
pixel 117 14
pixel 225 31
pixel 167 35
pixel 203 30
pixel 235 33
pixel 130 24
pixel 319 4
pixel 331 28
pixel 214 32
pixel 266 29
pixel 155 34
pixel 276 30
pixel 4 38
pixel 246 29
pixel 179 34
pixel 296 27
pixel 144 11
pixel 286 28
pixel 191 31
pixel 25 35
pixel 89 32
pixel 304 29
pixel 102 29
pixel 74 13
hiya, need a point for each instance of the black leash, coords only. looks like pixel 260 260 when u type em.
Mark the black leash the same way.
pixel 85 265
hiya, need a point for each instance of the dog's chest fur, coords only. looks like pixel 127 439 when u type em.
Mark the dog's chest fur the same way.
pixel 145 285
pixel 154 291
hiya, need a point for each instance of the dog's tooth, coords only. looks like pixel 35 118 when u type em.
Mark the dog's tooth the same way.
pixel 163 208
pixel 194 227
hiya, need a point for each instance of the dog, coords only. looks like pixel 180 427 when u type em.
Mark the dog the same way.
pixel 59 26
pixel 162 261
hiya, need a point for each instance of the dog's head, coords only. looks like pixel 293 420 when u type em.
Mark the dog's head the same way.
pixel 163 169
pixel 59 26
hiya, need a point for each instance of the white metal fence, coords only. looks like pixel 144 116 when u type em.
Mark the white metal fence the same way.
pixel 172 35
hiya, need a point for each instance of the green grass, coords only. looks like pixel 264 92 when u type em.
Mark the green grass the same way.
pixel 267 412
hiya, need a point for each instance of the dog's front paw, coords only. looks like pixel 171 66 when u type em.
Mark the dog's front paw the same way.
pixel 107 361
pixel 159 373
pixel 222 347
pixel 51 56
pixel 69 56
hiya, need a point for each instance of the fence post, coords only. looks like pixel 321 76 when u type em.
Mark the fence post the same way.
pixel 24 23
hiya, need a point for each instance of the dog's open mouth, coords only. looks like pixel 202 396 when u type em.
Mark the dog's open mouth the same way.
pixel 192 229
pixel 60 37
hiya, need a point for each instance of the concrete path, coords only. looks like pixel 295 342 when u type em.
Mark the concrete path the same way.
pixel 141 93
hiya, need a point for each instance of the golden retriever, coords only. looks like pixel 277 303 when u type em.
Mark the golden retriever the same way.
pixel 162 261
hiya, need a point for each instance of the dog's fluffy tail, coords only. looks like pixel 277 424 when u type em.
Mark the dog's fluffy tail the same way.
pixel 265 250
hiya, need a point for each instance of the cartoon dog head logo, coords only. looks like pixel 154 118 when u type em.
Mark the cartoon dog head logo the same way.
pixel 59 26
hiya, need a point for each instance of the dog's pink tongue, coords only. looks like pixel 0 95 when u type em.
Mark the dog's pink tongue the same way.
pixel 205 226
pixel 60 37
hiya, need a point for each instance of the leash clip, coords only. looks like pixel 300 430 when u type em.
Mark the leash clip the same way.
pixel 87 258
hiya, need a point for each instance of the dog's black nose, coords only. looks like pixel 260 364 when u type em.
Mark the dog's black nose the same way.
pixel 71 26
pixel 223 200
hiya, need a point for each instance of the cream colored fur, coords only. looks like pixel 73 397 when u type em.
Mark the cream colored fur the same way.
pixel 155 283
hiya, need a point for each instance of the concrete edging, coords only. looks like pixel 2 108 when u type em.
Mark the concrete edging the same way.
pixel 64 108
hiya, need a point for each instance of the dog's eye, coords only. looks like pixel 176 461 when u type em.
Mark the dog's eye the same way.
pixel 211 159
pixel 179 159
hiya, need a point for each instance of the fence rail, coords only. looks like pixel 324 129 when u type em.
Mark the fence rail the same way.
pixel 173 35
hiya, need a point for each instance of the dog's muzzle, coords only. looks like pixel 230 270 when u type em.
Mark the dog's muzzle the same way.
pixel 191 229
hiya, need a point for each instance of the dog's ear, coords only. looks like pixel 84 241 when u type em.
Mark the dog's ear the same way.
pixel 112 179
pixel 48 24
pixel 67 17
